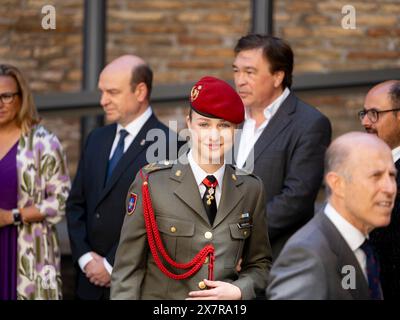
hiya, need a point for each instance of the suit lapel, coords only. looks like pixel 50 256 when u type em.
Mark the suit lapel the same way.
pixel 230 196
pixel 187 189
pixel 278 122
pixel 236 143
pixel 100 163
pixel 138 145
pixel 345 257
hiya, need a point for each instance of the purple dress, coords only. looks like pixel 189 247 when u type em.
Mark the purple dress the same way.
pixel 8 234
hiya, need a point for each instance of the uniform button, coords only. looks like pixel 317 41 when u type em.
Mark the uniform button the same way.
pixel 97 215
pixel 245 233
pixel 202 285
pixel 206 260
pixel 173 229
pixel 208 235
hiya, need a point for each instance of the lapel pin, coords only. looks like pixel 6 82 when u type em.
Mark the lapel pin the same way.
pixel 142 142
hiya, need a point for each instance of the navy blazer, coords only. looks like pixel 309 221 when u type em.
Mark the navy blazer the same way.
pixel 95 211
pixel 289 158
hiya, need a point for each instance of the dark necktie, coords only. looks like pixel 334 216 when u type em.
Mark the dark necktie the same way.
pixel 209 201
pixel 374 283
pixel 118 153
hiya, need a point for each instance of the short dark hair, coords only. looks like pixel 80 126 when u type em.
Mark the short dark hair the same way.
pixel 276 51
pixel 142 73
pixel 394 94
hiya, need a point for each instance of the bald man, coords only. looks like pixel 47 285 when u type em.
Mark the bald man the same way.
pixel 109 162
pixel 381 116
pixel 331 257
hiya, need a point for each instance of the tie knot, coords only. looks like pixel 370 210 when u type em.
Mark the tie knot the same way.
pixel 210 181
pixel 122 134
pixel 366 247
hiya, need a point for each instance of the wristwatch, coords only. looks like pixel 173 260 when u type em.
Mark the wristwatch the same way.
pixel 17 217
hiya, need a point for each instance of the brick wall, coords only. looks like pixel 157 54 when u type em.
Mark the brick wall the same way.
pixel 182 40
pixel 185 39
pixel 51 59
pixel 314 29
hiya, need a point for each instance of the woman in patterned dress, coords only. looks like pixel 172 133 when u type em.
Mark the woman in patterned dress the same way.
pixel 34 185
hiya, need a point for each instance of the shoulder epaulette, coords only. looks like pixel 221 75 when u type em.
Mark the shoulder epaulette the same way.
pixel 156 166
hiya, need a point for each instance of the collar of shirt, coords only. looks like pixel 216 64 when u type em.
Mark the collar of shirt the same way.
pixel 353 237
pixel 200 174
pixel 250 133
pixel 270 110
pixel 133 129
pixel 350 233
pixel 396 154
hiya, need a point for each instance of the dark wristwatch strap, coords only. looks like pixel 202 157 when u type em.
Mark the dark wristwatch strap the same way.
pixel 17 217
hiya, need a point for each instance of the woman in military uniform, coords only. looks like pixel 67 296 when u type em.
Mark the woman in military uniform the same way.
pixel 196 229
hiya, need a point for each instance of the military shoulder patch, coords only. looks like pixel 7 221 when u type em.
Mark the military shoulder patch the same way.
pixel 132 203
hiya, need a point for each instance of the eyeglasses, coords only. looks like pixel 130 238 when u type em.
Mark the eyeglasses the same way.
pixel 373 114
pixel 8 97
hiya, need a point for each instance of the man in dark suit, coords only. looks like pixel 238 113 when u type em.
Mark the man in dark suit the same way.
pixel 331 257
pixel 381 116
pixel 110 160
pixel 283 140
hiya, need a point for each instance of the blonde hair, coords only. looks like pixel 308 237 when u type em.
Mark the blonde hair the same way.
pixel 27 116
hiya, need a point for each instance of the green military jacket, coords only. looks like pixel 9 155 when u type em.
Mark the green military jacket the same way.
pixel 185 229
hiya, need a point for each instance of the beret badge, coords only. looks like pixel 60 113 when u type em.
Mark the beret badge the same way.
pixel 194 93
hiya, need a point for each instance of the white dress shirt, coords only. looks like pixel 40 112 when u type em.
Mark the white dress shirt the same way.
pixel 396 154
pixel 353 237
pixel 250 133
pixel 133 129
pixel 200 174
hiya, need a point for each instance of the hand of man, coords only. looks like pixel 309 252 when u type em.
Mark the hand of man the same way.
pixel 219 290
pixel 96 271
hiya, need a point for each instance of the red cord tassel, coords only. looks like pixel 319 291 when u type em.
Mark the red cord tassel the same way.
pixel 156 245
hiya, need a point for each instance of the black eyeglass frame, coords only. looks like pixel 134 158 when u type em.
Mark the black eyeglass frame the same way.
pixel 374 112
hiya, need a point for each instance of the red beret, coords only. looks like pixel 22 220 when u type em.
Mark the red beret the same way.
pixel 214 98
